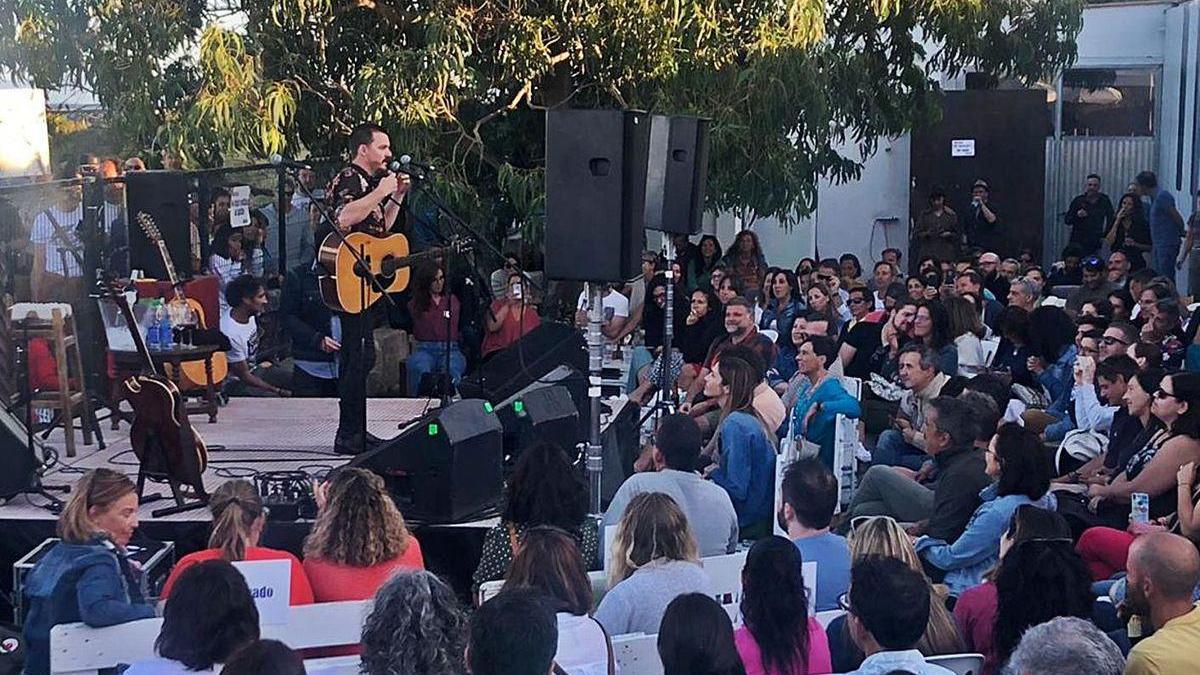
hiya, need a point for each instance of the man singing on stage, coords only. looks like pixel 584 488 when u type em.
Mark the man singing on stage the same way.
pixel 363 197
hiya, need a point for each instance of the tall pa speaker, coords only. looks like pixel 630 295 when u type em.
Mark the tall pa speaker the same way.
pixel 676 174
pixel 162 195
pixel 595 193
pixel 446 467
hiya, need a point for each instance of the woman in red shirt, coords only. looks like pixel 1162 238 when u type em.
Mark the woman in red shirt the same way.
pixel 510 317
pixel 238 520
pixel 358 540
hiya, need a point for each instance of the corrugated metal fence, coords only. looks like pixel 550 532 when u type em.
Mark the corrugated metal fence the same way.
pixel 1068 162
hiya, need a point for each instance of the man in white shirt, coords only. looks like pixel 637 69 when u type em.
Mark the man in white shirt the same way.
pixel 707 506
pixel 57 249
pixel 616 312
pixel 247 298
pixel 300 225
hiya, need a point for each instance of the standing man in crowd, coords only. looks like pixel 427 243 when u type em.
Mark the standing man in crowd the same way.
pixel 1089 216
pixel 936 232
pixel 364 197
pixel 1166 224
pixel 982 223
pixel 57 250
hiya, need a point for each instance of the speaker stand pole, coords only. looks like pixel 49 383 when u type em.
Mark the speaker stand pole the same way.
pixel 666 388
pixel 595 341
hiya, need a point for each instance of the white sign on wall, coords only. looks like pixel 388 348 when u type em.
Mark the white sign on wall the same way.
pixel 962 147
pixel 270 583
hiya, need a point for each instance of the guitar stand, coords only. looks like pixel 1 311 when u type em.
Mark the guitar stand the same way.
pixel 182 505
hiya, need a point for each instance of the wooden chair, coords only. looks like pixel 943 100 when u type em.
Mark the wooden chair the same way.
pixel 68 399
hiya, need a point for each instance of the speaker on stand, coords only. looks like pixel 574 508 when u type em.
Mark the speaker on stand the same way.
pixel 162 195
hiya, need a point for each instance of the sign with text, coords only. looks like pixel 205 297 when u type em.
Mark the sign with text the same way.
pixel 239 206
pixel 962 147
pixel 270 583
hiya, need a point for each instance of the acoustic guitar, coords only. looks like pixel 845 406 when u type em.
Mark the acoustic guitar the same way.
pixel 386 257
pixel 192 374
pixel 163 439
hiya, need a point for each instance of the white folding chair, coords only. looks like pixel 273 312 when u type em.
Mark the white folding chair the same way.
pixel 825 618
pixel 961 664
pixel 637 654
pixel 725 573
pixel 773 334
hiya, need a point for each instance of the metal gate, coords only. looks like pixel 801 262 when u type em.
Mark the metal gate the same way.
pixel 1068 162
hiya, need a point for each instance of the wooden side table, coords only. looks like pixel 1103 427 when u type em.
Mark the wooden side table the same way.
pixel 176 357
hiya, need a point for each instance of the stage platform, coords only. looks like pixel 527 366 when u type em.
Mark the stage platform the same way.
pixel 250 435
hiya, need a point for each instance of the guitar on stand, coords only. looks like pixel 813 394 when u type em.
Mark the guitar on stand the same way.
pixel 386 258
pixel 167 447
pixel 192 373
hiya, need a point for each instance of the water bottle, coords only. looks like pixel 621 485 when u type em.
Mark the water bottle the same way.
pixel 1139 508
pixel 162 338
pixel 151 328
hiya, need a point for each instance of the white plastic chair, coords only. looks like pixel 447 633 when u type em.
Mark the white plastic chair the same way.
pixel 962 664
pixel 1054 301
pixel 853 386
pixel 990 347
pixel 825 618
pixel 773 334
pixel 725 573
pixel 637 654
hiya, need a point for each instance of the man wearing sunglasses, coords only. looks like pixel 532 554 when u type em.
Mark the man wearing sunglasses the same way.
pixel 1095 286
pixel 1117 338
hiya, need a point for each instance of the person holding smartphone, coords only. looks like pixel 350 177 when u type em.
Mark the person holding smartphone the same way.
pixel 509 317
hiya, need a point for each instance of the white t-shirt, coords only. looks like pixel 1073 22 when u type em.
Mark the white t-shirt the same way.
pixel 582 649
pixel 615 305
pixel 243 338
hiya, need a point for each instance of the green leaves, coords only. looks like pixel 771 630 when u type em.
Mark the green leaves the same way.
pixel 798 91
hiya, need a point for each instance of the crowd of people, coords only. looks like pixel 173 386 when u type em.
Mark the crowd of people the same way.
pixel 1028 440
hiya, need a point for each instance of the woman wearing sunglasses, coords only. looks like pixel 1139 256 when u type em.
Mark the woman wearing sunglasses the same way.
pixel 1153 469
pixel 1021 470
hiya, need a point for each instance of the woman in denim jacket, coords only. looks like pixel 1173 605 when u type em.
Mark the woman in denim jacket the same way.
pixel 87 577
pixel 1016 460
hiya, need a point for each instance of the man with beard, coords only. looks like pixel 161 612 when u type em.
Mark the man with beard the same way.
pixel 1163 572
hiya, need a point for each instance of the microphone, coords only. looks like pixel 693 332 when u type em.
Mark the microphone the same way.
pixel 279 160
pixel 407 160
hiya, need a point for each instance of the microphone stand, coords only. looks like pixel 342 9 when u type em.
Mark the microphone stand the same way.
pixel 365 277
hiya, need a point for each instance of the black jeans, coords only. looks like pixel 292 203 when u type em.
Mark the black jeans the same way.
pixel 357 357
pixel 305 385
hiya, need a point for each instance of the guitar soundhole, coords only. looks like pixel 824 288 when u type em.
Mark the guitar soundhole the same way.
pixel 385 277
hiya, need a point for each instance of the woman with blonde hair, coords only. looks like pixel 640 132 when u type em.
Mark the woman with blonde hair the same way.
pixel 883 536
pixel 87 576
pixel 358 540
pixel 655 559
pixel 238 518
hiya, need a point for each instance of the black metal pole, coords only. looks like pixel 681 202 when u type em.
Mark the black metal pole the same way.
pixel 282 206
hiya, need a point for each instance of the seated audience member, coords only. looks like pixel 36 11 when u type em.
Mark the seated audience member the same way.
pixel 923 381
pixel 823 302
pixel 707 507
pixel 972 282
pixel 1013 352
pixel 654 560
pixel 1146 355
pixel 616 312
pixel 1018 463
pixel 1066 646
pixel 881 535
pixel 430 302
pixel 943 511
pixel 1163 572
pixel 1166 330
pixel 696 638
pixel 87 576
pixel 820 397
pixel 887 610
pixel 1122 303
pixel 510 317
pixel 264 657
pixel 226 261
pixel 783 306
pixel 549 562
pixel 358 540
pixel 1117 338
pixel 1114 376
pixel 1038 578
pixel 1095 286
pixel 968 332
pixel 863 339
pixel 513 634
pixel 415 626
pixel 739 332
pixel 1106 549
pixel 1025 293
pixel 893 337
pixel 861 305
pixel 701 328
pixel 743 446
pixel 210 615
pixel 238 519
pixel 1153 469
pixel 931 327
pixel 545 489
pixel 810 494
pixel 1052 344
pixel 247 298
pixel 778 637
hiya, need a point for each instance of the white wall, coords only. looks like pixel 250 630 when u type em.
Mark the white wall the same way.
pixel 1125 34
